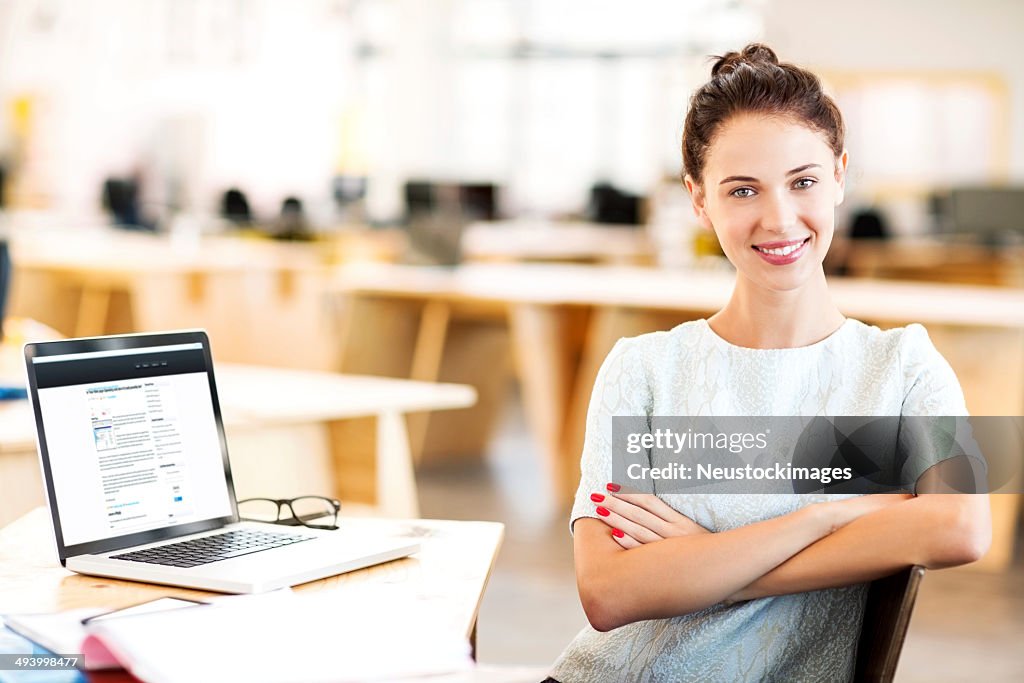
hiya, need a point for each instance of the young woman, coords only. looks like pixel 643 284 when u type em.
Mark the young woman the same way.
pixel 762 587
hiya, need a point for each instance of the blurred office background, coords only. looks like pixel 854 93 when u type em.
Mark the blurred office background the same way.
pixel 480 191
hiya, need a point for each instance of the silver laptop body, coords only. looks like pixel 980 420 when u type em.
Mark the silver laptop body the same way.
pixel 133 455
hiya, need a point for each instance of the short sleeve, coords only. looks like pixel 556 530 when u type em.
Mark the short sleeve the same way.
pixel 621 389
pixel 933 427
pixel 932 388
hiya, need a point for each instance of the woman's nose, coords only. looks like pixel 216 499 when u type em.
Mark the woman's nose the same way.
pixel 779 215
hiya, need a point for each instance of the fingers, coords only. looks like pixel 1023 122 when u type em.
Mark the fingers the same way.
pixel 618 535
pixel 652 512
pixel 612 511
pixel 625 540
pixel 636 514
pixel 676 523
pixel 652 504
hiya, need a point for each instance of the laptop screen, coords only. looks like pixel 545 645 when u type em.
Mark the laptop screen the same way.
pixel 132 440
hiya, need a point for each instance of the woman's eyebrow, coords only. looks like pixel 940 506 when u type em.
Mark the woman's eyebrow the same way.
pixel 749 179
pixel 801 169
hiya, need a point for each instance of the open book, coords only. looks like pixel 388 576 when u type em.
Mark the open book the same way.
pixel 309 637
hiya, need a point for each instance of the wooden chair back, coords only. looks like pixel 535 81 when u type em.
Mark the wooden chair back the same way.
pixel 886 618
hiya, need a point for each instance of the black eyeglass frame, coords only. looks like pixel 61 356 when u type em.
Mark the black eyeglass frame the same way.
pixel 295 519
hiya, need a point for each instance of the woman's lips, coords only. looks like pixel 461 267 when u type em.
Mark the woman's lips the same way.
pixel 781 253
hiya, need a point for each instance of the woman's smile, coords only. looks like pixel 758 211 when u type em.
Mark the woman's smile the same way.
pixel 781 253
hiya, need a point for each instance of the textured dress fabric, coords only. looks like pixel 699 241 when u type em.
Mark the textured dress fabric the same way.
pixel 859 370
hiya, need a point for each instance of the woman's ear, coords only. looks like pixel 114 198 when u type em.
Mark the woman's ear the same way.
pixel 698 200
pixel 841 161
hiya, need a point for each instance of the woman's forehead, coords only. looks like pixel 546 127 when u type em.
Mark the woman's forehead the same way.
pixel 762 147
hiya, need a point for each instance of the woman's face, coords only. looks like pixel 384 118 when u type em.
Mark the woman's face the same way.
pixel 770 191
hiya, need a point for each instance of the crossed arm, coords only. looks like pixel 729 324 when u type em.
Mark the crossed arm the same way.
pixel 665 565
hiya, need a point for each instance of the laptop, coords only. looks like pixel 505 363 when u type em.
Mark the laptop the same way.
pixel 138 482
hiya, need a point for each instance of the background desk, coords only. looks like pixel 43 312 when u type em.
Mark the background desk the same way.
pixel 526 240
pixel 289 433
pixel 451 570
pixel 94 282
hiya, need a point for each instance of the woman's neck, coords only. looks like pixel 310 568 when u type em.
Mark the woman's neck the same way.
pixel 759 318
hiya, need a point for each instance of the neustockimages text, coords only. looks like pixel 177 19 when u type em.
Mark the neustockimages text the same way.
pixel 778 471
pixel 702 444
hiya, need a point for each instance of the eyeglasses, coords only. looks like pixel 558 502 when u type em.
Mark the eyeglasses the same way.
pixel 301 511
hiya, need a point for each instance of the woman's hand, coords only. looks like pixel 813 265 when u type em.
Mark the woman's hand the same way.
pixel 639 518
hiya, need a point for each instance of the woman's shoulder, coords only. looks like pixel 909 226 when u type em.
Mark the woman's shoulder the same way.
pixel 930 386
pixel 656 345
pixel 909 343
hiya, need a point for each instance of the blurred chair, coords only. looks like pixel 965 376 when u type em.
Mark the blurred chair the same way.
pixel 886 618
pixel 234 206
pixel 292 224
pixel 868 224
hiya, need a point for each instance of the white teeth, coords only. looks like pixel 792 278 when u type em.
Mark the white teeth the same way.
pixel 783 251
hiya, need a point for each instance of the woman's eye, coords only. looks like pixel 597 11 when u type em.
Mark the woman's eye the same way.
pixel 804 183
pixel 742 192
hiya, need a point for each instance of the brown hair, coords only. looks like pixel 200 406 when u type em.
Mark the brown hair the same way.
pixel 753 81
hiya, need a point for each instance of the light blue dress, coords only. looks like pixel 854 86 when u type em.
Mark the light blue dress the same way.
pixel 857 371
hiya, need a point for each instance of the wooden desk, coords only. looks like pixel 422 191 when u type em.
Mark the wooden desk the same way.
pixel 451 570
pixel 564 319
pixel 289 433
pixel 932 260
pixel 95 281
pixel 526 240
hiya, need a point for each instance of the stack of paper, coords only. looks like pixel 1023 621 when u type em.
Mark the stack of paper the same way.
pixel 310 637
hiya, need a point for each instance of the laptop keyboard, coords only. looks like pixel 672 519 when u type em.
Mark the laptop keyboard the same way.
pixel 212 548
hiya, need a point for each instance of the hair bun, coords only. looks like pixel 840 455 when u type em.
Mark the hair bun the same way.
pixel 755 53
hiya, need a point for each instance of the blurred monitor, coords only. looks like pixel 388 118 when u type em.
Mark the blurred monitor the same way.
pixel 419 198
pixel 609 204
pixel 467 201
pixel 984 211
pixel 348 189
pixel 437 212
pixel 121 199
pixel 479 201
pixel 5 282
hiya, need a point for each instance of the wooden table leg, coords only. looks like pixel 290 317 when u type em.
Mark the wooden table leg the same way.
pixel 428 341
pixel 92 311
pixel 472 642
pixel 546 355
pixel 396 479
pixel 428 353
pixel 373 464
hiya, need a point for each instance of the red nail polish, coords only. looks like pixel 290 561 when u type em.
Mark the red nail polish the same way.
pixel 596 497
pixel 617 533
pixel 603 511
pixel 614 488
